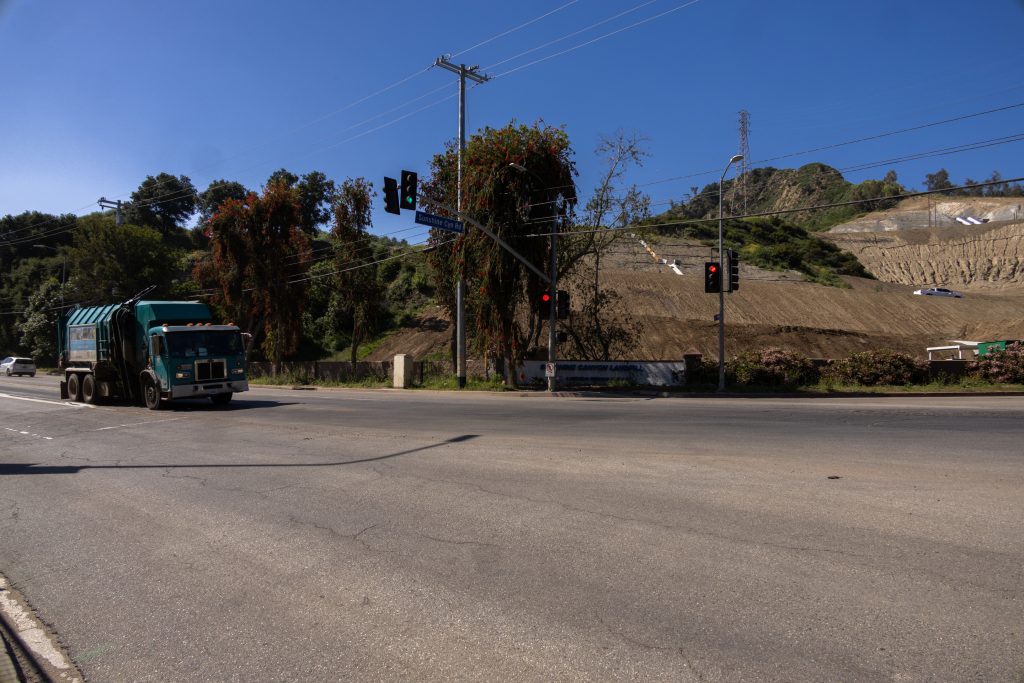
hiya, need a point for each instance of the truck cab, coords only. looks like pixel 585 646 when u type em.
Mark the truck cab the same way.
pixel 194 361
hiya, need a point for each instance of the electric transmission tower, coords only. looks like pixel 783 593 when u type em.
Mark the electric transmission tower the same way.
pixel 745 151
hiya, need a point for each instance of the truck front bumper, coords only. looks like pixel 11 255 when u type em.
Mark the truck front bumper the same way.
pixel 209 388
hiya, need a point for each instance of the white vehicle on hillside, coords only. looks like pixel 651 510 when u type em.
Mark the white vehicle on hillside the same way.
pixel 938 291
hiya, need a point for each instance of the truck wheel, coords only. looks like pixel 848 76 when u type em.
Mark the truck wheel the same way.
pixel 151 392
pixel 74 387
pixel 221 399
pixel 89 389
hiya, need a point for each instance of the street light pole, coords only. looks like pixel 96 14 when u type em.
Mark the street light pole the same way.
pixel 721 287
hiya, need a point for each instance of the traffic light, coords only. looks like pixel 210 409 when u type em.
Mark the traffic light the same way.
pixel 734 271
pixel 408 190
pixel 712 277
pixel 391 196
pixel 545 304
pixel 562 305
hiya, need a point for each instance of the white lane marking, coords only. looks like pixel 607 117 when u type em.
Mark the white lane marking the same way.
pixel 70 404
pixel 38 436
pixel 33 634
pixel 135 424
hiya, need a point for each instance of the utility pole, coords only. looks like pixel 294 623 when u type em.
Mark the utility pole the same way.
pixel 109 204
pixel 472 74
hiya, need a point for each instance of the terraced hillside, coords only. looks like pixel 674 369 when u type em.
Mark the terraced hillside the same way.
pixel 917 243
pixel 920 242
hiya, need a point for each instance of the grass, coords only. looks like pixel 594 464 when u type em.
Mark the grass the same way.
pixel 298 379
pixel 440 383
pixel 447 382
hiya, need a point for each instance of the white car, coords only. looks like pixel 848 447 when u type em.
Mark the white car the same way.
pixel 12 365
pixel 938 291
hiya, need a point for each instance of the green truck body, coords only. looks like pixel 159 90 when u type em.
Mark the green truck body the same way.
pixel 150 352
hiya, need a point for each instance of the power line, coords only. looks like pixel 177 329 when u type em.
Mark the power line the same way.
pixel 513 30
pixel 570 35
pixel 906 195
pixel 601 37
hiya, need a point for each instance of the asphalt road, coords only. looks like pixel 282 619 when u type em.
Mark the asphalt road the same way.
pixel 387 535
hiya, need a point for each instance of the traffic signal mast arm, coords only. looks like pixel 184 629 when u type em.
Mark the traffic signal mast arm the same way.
pixel 504 245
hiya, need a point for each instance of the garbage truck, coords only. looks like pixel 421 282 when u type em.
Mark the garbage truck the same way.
pixel 150 352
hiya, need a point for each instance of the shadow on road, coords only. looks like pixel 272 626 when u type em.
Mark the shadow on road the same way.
pixel 35 468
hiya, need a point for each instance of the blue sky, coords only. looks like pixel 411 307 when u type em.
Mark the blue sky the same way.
pixel 99 95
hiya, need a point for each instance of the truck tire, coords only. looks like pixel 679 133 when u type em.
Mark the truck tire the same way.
pixel 89 389
pixel 221 399
pixel 151 393
pixel 74 387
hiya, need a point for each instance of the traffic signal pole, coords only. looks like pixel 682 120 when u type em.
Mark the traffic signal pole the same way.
pixel 460 290
pixel 721 288
pixel 552 315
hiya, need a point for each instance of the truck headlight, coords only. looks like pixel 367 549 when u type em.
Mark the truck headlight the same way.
pixel 237 371
pixel 182 375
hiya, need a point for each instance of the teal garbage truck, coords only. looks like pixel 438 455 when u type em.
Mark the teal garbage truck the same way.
pixel 150 352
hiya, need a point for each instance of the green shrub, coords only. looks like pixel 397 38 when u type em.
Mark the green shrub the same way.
pixel 872 368
pixel 1004 367
pixel 772 367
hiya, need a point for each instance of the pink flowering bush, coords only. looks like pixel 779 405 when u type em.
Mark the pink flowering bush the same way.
pixel 772 367
pixel 871 368
pixel 1005 367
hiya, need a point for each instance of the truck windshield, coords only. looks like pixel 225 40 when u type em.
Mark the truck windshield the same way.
pixel 204 343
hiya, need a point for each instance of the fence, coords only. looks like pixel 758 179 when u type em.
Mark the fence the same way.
pixel 302 372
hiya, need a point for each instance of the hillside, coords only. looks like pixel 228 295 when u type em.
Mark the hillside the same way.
pixel 662 279
pixel 770 309
pixel 771 190
pixel 920 243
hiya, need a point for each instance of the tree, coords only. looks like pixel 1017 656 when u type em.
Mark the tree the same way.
pixel 216 193
pixel 357 292
pixel 603 327
pixel 938 181
pixel 513 204
pixel 114 262
pixel 998 188
pixel 39 326
pixel 21 268
pixel 890 177
pixel 259 260
pixel 164 202
pixel 317 195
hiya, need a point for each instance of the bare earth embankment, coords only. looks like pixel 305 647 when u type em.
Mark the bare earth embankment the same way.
pixel 898 247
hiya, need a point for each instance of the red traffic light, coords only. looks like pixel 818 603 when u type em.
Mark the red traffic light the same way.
pixel 545 297
pixel 713 268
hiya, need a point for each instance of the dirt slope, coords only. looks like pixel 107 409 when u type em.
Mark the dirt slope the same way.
pixel 818 321
pixel 920 243
pixel 663 282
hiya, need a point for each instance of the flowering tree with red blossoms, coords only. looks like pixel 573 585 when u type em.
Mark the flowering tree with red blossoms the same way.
pixel 259 257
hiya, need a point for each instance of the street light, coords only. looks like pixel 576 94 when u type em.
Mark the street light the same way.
pixel 721 290
pixel 553 285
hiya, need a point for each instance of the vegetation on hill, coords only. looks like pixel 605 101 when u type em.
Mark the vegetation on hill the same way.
pixel 294 265
pixel 791 192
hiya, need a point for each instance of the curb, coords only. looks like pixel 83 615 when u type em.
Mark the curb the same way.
pixel 653 393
